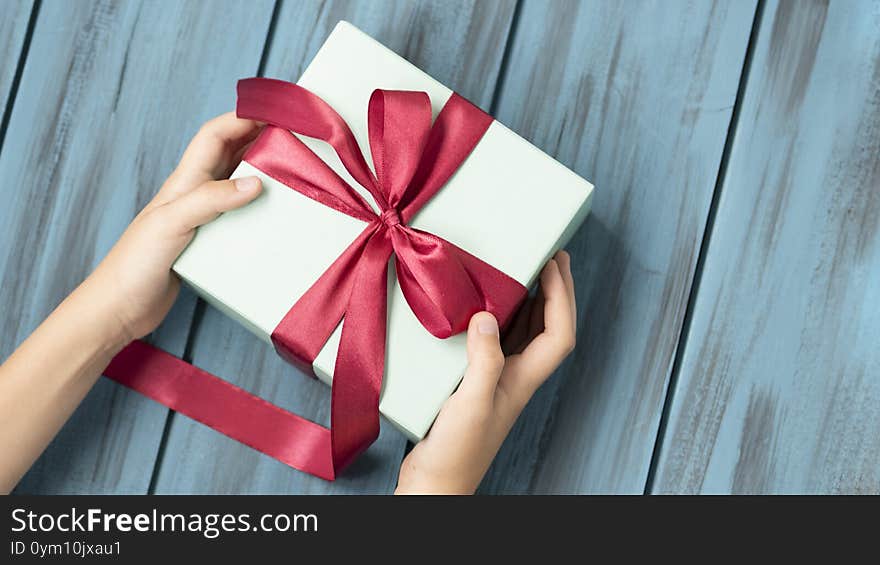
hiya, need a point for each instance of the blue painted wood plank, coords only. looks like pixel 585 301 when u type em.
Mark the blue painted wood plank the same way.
pixel 13 25
pixel 461 44
pixel 779 389
pixel 110 94
pixel 637 97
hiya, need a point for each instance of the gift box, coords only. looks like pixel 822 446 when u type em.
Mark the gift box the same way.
pixel 508 204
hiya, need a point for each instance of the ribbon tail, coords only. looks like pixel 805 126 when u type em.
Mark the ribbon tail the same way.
pixel 307 326
pixel 360 363
pixel 230 410
pixel 356 287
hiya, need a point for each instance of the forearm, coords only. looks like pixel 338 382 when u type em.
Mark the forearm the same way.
pixel 47 377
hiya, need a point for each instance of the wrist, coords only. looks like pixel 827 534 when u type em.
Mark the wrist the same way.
pixel 95 302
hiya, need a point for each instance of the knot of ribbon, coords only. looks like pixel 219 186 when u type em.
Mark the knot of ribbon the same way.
pixel 390 218
pixel 443 284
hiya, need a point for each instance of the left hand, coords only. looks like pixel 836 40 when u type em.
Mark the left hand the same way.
pixel 135 278
pixel 474 421
pixel 130 292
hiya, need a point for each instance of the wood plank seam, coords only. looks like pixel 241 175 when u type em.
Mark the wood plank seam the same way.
pixel 200 306
pixel 704 246
pixel 270 35
pixel 776 393
pixel 73 102
pixel 197 316
pixel 19 70
pixel 664 84
pixel 499 87
pixel 493 105
pixel 505 58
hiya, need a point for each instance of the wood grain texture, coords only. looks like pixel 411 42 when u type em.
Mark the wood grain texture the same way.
pixel 779 389
pixel 13 25
pixel 637 98
pixel 110 94
pixel 459 43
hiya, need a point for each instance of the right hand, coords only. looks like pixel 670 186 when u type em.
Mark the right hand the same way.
pixel 474 421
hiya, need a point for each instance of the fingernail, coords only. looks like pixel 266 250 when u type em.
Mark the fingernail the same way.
pixel 487 325
pixel 246 184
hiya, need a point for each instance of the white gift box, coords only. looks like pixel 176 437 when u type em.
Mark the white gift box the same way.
pixel 509 204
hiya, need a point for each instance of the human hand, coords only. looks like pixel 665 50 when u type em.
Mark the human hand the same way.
pixel 135 277
pixel 474 421
pixel 125 298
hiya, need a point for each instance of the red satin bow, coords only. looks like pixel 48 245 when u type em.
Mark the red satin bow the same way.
pixel 443 284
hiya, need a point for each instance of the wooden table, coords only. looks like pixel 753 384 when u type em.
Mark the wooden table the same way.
pixel 728 277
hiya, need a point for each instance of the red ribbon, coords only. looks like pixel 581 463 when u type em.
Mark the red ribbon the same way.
pixel 443 284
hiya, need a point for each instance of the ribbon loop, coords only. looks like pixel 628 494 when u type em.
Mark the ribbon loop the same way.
pixel 294 108
pixel 399 123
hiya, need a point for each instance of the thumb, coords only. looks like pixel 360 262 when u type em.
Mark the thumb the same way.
pixel 210 199
pixel 485 358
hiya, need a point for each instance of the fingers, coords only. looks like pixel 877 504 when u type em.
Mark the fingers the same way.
pixel 517 334
pixel 563 259
pixel 211 155
pixel 209 200
pixel 536 317
pixel 526 371
pixel 485 358
pixel 213 151
pixel 558 313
